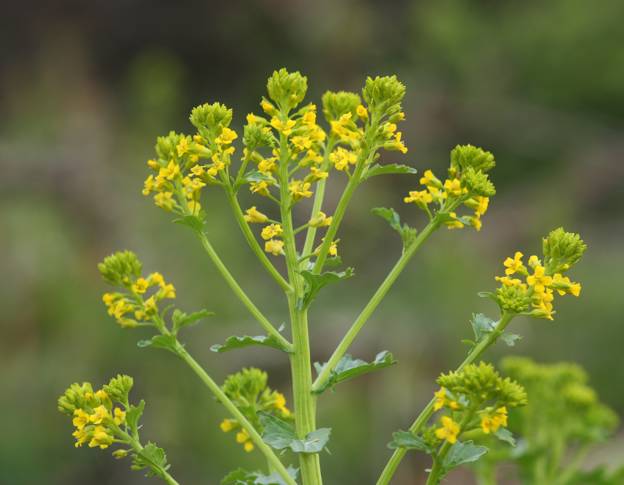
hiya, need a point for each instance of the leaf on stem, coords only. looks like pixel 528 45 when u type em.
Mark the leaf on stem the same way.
pixel 389 169
pixel 409 441
pixel 238 342
pixel 461 453
pixel 348 368
pixel 241 476
pixel 281 435
pixel 510 338
pixel 181 319
pixel 505 435
pixel 167 342
pixel 257 176
pixel 194 222
pixel 314 283
pixel 482 326
pixel 151 457
pixel 406 232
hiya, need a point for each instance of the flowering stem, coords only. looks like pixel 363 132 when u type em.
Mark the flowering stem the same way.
pixel 252 241
pixel 372 304
pixel 437 470
pixel 242 296
pixel 428 411
pixel 268 452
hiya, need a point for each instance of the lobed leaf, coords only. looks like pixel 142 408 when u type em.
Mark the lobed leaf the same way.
pixel 461 453
pixel 389 169
pixel 241 476
pixel 239 342
pixel 181 319
pixel 315 282
pixel 151 457
pixel 409 441
pixel 281 435
pixel 406 232
pixel 167 342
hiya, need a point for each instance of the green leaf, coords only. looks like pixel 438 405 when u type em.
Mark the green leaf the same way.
pixel 482 326
pixel 134 413
pixel 348 368
pixel 409 441
pixel 280 435
pixel 238 342
pixel 151 457
pixel 167 342
pixel 314 283
pixel 181 319
pixel 461 453
pixel 194 222
pixel 257 176
pixel 391 168
pixel 406 232
pixel 244 477
pixel 510 338
pixel 505 435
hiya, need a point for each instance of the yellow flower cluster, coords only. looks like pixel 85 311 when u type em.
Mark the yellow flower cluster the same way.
pixel 539 286
pixel 442 399
pixel 448 430
pixel 493 419
pixel 136 307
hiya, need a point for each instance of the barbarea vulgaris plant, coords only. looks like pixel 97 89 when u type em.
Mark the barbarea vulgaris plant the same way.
pixel 286 157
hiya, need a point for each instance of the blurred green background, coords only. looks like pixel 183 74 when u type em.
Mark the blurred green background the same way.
pixel 86 87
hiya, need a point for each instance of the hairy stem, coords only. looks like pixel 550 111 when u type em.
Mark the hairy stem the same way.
pixel 268 452
pixel 372 305
pixel 398 455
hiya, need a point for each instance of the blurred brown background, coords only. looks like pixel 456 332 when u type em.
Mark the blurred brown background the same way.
pixel 85 87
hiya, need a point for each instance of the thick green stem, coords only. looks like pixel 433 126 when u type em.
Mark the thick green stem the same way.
pixel 427 412
pixel 372 304
pixel 252 241
pixel 268 452
pixel 238 291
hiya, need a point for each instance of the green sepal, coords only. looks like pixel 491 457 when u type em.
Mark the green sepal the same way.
pixel 348 368
pixel 314 283
pixel 241 476
pixel 194 222
pixel 407 233
pixel 167 342
pixel 239 342
pixel 461 453
pixel 409 441
pixel 505 435
pixel 389 169
pixel 281 435
pixel 152 457
pixel 181 319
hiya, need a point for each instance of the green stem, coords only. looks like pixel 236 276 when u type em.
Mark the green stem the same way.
pixel 238 291
pixel 268 452
pixel 252 241
pixel 394 461
pixel 304 404
pixel 372 304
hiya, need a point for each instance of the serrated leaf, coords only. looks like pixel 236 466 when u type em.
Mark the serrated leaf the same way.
pixel 181 319
pixel 409 441
pixel 482 326
pixel 239 342
pixel 348 368
pixel 510 338
pixel 389 169
pixel 315 282
pixel 406 232
pixel 151 457
pixel 461 453
pixel 134 413
pixel 167 342
pixel 505 435
pixel 280 435
pixel 257 176
pixel 244 477
pixel 194 222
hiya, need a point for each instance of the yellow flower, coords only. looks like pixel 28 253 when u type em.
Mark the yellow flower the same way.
pixel 418 197
pixel 274 246
pixel 539 280
pixel 254 216
pixel 280 404
pixel 476 222
pixel 226 137
pixel 321 220
pixel 271 231
pixel 440 399
pixel 170 171
pixel 299 189
pixel 183 146
pixel 80 419
pixel 534 261
pixel 454 223
pixel 318 174
pixel 361 112
pixel 252 118
pixel 448 431
pixel 301 142
pixel 248 446
pixel 267 107
pixel 167 291
pixel 119 416
pixel 242 436
pixel 148 185
pixel 260 188
pixel 333 249
pixel 483 205
pixel 156 279
pixel 81 436
pixel 283 127
pixel 109 298
pixel 429 179
pixel 228 425
pixel 100 438
pixel 342 158
pixel 140 286
pixel 514 265
pixel 491 423
pixel 507 281
pixel 267 165
pixel 453 187
pixel 564 285
pixel 100 413
pixel 164 200
pixel 396 144
pixel 153 164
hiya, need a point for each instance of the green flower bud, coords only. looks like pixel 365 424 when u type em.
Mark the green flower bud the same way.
pixel 336 104
pixel 482 383
pixel 256 135
pixel 210 119
pixel 120 268
pixel 562 250
pixel 384 95
pixel 119 387
pixel 287 89
pixel 514 299
pixel 245 386
pixel 464 156
pixel 166 146
pixel 74 398
pixel 477 182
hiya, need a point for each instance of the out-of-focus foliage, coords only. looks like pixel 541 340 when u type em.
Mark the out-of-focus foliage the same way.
pixel 83 90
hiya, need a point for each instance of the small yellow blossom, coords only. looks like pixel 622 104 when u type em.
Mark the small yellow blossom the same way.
pixel 299 189
pixel 254 216
pixel 80 419
pixel 440 399
pixel 301 143
pixel 100 413
pixel 119 416
pixel 429 179
pixel 361 112
pixel 164 200
pixel 309 118
pixel 274 246
pixel 564 285
pixel 514 265
pixel 539 280
pixel 448 431
pixel 226 137
pixel 153 164
pixel 283 127
pixel 271 231
pixel 81 436
pixel 321 220
pixel 140 286
pixel 228 425
pixel 418 197
pixel 342 158
pixel 183 146
pixel 148 185
pixel 260 188
pixel 167 291
pixel 454 223
pixel 252 118
pixel 267 107
pixel 267 165
pixel 492 423
pixel 100 438
pixel 453 187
